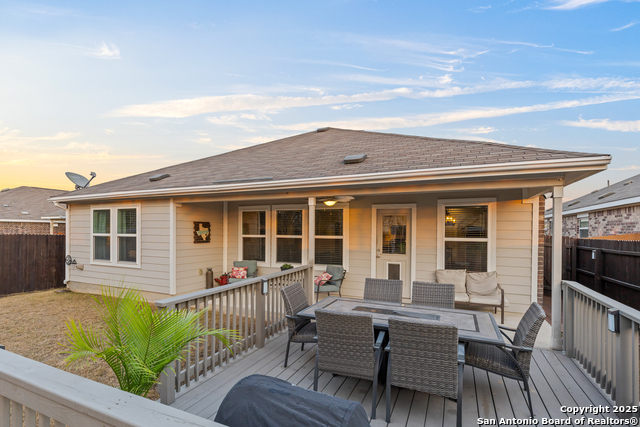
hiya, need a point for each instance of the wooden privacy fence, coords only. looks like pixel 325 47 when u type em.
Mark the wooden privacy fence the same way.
pixel 609 267
pixel 242 307
pixel 31 262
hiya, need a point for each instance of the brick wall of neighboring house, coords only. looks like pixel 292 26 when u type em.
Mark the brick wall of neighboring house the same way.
pixel 615 221
pixel 29 228
pixel 570 226
pixel 541 231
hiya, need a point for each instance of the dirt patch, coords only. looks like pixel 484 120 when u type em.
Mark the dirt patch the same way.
pixel 33 325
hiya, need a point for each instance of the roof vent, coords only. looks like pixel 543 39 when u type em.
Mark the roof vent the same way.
pixel 607 195
pixel 355 158
pixel 322 129
pixel 5 206
pixel 628 182
pixel 573 203
pixel 594 191
pixel 24 213
pixel 159 177
pixel 4 189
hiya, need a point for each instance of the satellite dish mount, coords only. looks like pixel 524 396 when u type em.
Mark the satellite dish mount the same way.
pixel 79 180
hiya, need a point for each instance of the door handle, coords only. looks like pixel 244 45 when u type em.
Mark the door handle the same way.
pixel 378 253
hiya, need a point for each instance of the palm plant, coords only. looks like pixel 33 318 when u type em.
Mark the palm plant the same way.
pixel 137 342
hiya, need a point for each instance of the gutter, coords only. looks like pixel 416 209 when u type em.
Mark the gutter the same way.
pixel 496 169
pixel 601 206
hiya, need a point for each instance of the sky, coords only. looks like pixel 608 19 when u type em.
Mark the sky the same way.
pixel 122 87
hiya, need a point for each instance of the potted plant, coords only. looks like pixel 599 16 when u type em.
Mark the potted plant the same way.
pixel 284 267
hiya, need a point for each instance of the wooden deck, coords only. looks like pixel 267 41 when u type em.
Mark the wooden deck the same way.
pixel 556 381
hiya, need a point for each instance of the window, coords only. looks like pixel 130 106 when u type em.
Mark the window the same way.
pixel 466 234
pixel 329 237
pixel 254 235
pixel 583 226
pixel 119 225
pixel 289 226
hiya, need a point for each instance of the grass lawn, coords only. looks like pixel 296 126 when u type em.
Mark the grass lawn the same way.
pixel 34 324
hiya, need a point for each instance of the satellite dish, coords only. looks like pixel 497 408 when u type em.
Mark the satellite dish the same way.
pixel 79 180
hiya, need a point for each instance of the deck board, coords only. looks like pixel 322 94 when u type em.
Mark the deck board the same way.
pixel 555 380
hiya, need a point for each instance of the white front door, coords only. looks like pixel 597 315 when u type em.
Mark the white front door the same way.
pixel 393 247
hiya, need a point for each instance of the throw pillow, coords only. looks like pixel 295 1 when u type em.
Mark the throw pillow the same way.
pixel 482 283
pixel 454 277
pixel 239 273
pixel 322 279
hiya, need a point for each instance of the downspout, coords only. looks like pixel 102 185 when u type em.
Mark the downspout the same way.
pixel 66 238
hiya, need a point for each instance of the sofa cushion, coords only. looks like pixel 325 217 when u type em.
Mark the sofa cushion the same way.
pixel 322 279
pixel 238 273
pixel 454 277
pixel 491 299
pixel 462 297
pixel 482 283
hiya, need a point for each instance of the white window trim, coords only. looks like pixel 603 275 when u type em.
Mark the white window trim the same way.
pixel 345 235
pixel 267 232
pixel 304 237
pixel 113 250
pixel 491 203
pixel 580 228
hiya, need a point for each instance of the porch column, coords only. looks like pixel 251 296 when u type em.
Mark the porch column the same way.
pixel 556 270
pixel 311 251
pixel 225 236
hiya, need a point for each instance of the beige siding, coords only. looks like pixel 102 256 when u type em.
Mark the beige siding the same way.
pixel 153 274
pixel 193 257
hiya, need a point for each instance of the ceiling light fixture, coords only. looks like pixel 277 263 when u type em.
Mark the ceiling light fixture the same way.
pixel 330 201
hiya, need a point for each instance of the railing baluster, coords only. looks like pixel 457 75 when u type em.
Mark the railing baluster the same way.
pixel 29 417
pixel 43 420
pixel 205 343
pixel 16 413
pixel 235 324
pixel 5 411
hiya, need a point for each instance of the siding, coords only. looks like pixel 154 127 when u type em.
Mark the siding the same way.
pixel 153 274
pixel 191 257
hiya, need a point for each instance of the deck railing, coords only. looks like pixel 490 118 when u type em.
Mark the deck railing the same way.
pixel 34 394
pixel 611 358
pixel 242 307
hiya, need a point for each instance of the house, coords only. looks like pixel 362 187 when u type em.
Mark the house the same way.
pixel 27 210
pixel 382 205
pixel 608 211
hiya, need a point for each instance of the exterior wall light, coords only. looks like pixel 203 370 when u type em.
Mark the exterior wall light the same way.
pixel 613 320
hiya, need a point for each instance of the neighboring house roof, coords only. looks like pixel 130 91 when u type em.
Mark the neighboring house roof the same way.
pixel 319 155
pixel 625 192
pixel 28 204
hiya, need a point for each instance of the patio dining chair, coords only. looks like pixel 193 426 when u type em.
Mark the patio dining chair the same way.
pixel 346 347
pixel 383 290
pixel 334 284
pixel 425 356
pixel 434 294
pixel 510 360
pixel 300 330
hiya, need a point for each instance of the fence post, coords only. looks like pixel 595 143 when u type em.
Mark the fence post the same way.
pixel 260 314
pixel 574 259
pixel 597 269
pixel 627 365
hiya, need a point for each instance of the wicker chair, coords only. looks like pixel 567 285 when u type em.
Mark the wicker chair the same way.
pixel 425 356
pixel 434 294
pixel 346 347
pixel 300 330
pixel 383 290
pixel 334 284
pixel 510 360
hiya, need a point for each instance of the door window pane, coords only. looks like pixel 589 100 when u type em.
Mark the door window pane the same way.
pixel 470 256
pixel 289 223
pixel 254 223
pixel 127 221
pixel 102 221
pixel 289 250
pixel 127 249
pixel 329 222
pixel 102 248
pixel 466 221
pixel 253 248
pixel 394 234
pixel 329 251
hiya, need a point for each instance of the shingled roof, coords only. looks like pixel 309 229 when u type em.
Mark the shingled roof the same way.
pixel 618 194
pixel 28 203
pixel 320 154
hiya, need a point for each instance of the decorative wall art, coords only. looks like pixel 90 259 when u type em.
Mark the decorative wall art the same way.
pixel 201 232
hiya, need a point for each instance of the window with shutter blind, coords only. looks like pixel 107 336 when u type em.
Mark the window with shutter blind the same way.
pixel 466 231
pixel 115 235
pixel 329 238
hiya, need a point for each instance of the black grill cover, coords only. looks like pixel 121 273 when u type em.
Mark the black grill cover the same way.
pixel 261 401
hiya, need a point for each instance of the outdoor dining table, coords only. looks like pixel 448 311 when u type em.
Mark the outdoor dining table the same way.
pixel 473 326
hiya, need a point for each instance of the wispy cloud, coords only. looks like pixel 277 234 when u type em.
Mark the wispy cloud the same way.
pixel 606 124
pixel 345 106
pixel 477 130
pixel 105 51
pixel 382 123
pixel 626 168
pixel 573 4
pixel 541 46
pixel 624 27
pixel 479 9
